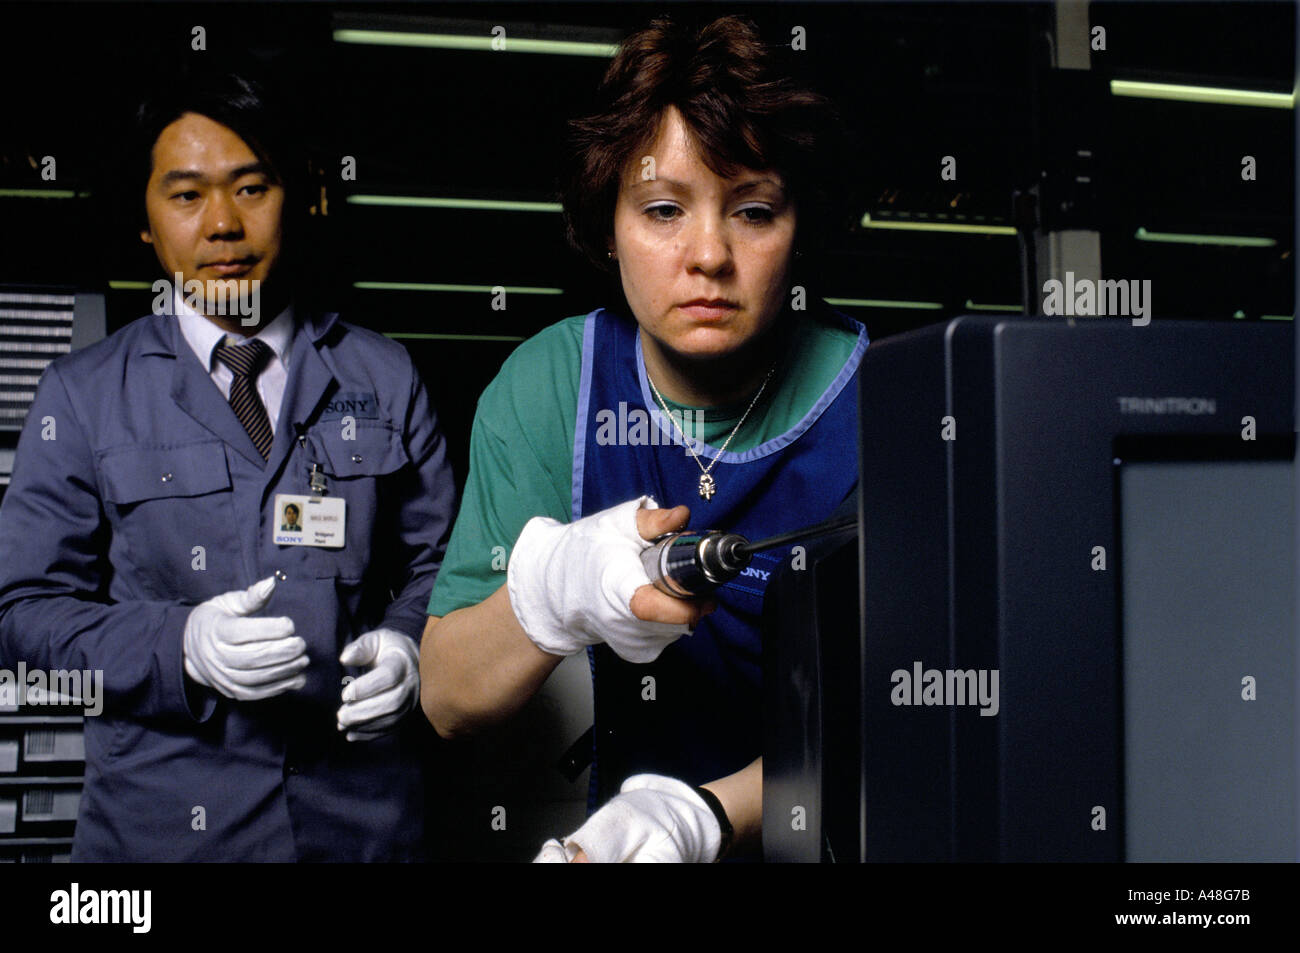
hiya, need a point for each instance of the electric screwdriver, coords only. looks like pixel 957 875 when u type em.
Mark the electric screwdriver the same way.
pixel 690 564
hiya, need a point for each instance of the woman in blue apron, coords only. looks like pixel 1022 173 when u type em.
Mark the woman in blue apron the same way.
pixel 717 391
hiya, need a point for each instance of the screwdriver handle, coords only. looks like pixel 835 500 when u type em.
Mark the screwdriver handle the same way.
pixel 690 564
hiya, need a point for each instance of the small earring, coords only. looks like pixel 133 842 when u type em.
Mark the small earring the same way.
pixel 611 254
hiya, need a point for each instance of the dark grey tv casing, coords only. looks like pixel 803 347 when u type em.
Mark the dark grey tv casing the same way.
pixel 977 554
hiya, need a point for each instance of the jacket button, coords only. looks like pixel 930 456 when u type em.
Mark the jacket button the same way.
pixel 167 478
pixel 356 458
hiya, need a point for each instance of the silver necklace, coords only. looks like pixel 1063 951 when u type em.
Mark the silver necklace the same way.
pixel 707 484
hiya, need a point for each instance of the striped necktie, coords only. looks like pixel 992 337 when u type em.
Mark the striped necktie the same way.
pixel 246 362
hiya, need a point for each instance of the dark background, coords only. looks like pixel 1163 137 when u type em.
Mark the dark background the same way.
pixel 916 82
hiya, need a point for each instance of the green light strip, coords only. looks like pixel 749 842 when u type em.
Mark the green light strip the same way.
pixel 418 201
pixel 477 44
pixel 452 337
pixel 884 303
pixel 1277 317
pixel 385 286
pixel 42 194
pixel 868 222
pixel 971 305
pixel 468 289
pixel 1180 238
pixel 1202 94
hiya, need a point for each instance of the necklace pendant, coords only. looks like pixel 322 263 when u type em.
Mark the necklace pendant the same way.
pixel 707 487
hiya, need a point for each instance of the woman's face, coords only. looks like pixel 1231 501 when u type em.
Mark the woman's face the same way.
pixel 704 260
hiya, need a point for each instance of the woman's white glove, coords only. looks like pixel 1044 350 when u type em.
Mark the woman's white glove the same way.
pixel 571 585
pixel 374 703
pixel 242 658
pixel 653 819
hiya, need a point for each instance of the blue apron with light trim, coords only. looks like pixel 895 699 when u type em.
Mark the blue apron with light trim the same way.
pixel 695 712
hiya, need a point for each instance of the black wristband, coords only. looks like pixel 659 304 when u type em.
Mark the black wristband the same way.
pixel 724 823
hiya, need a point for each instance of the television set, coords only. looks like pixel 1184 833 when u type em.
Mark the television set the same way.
pixel 1066 628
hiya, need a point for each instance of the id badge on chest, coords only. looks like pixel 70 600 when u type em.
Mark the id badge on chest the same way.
pixel 309 521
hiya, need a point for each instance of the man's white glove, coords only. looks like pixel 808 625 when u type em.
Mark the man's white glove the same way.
pixel 375 702
pixel 653 819
pixel 571 584
pixel 242 658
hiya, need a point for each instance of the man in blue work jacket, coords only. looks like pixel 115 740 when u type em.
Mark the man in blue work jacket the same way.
pixel 257 684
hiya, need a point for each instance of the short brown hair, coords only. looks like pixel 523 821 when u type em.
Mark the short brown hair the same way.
pixel 740 109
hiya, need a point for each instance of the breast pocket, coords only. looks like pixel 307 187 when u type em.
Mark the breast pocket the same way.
pixel 171 513
pixel 360 463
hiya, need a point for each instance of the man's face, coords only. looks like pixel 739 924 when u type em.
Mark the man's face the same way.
pixel 214 209
pixel 704 260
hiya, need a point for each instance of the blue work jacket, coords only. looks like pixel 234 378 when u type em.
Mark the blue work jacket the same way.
pixel 137 494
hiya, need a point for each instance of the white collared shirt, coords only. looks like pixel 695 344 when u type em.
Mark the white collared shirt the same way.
pixel 204 336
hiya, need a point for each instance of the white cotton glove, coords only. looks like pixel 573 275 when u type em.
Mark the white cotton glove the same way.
pixel 374 703
pixel 653 819
pixel 571 584
pixel 242 658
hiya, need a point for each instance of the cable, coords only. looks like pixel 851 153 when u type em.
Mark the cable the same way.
pixel 821 529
